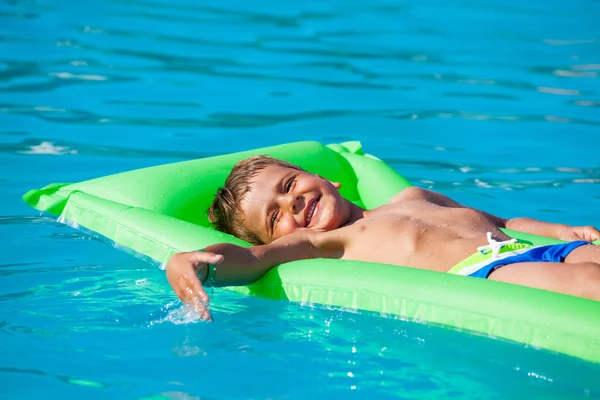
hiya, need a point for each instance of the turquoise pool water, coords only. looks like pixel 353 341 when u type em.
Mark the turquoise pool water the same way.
pixel 494 103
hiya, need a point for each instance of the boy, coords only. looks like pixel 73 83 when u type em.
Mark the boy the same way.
pixel 290 214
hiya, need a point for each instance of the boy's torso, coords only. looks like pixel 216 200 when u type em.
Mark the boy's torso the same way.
pixel 413 233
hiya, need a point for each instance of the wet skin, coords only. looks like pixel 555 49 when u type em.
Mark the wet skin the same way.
pixel 415 229
pixel 299 215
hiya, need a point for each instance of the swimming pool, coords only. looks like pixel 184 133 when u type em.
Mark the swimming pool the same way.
pixel 492 103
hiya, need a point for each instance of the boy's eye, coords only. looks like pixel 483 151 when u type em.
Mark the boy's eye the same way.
pixel 288 185
pixel 274 218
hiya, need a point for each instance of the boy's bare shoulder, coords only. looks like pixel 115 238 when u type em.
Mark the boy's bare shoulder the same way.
pixel 417 193
pixel 410 193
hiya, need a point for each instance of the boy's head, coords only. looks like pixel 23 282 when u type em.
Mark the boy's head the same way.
pixel 265 198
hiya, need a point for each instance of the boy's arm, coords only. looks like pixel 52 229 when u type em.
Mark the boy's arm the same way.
pixel 234 265
pixel 557 231
pixel 246 265
pixel 527 225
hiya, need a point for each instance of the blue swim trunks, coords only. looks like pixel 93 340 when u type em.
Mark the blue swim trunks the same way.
pixel 481 265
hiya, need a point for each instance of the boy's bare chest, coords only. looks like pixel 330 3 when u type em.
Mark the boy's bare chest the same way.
pixel 417 234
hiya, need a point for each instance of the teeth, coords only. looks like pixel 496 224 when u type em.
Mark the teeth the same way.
pixel 310 212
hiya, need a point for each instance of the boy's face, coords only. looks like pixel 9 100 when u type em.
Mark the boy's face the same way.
pixel 282 200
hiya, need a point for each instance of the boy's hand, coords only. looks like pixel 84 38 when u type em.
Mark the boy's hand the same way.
pixel 182 274
pixel 571 233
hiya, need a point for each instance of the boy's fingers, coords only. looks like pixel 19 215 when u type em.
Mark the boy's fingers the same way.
pixel 181 288
pixel 205 314
pixel 197 290
pixel 206 257
pixel 198 298
pixel 181 273
pixel 199 308
pixel 571 235
pixel 588 233
pixel 594 234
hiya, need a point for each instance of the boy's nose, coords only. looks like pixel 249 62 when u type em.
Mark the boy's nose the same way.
pixel 293 203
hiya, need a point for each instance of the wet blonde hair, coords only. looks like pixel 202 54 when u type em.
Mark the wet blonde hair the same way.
pixel 225 212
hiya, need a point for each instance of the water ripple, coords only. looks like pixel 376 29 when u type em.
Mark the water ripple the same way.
pixel 59 147
pixel 18 14
pixel 503 178
pixel 24 264
pixel 236 120
pixel 26 220
pixel 62 378
pixel 14 295
pixel 239 15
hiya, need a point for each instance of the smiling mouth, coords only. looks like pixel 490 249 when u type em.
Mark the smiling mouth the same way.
pixel 311 210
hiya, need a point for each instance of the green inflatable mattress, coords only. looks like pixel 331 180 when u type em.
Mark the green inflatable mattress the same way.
pixel 159 211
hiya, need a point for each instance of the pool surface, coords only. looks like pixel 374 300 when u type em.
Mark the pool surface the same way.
pixel 493 103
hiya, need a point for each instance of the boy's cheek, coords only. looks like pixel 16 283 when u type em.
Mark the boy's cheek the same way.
pixel 287 226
